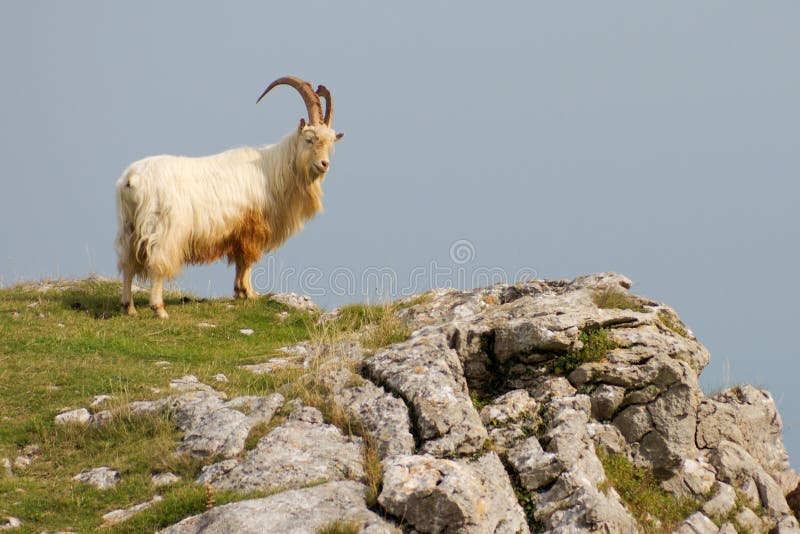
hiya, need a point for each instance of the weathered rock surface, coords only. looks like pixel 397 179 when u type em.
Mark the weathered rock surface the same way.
pixel 697 523
pixel 101 478
pixel 427 374
pixel 164 479
pixel 385 417
pixel 81 416
pixel 10 523
pixel 293 300
pixel 299 511
pixel 748 417
pixel 531 456
pixel 438 495
pixel 123 514
pixel 293 455
pixel 223 431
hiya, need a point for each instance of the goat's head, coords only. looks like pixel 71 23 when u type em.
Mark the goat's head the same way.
pixel 314 139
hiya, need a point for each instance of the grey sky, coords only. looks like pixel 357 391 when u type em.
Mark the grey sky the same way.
pixel 660 140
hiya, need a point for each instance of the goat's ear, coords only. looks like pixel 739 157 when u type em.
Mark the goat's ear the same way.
pixel 339 135
pixel 302 125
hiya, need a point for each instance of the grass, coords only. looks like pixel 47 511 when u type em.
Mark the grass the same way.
pixel 378 323
pixel 655 509
pixel 614 298
pixel 341 527
pixel 596 344
pixel 63 344
pixel 671 321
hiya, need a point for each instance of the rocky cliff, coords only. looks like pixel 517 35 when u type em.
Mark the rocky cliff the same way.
pixel 550 406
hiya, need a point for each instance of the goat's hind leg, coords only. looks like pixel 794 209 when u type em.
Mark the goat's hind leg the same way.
pixel 127 292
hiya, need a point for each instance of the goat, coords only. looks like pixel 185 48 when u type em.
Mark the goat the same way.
pixel 175 210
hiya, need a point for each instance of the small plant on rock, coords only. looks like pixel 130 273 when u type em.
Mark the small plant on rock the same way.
pixel 614 298
pixel 653 507
pixel 672 322
pixel 596 344
pixel 341 527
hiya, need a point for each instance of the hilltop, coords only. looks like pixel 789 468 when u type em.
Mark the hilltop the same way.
pixel 544 406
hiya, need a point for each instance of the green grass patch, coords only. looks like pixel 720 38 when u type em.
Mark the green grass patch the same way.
pixel 655 509
pixel 615 298
pixel 596 344
pixel 63 342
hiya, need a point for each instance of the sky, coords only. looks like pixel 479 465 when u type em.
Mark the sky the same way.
pixel 487 141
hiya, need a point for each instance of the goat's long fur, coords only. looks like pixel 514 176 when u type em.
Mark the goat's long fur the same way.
pixel 238 204
pixel 175 210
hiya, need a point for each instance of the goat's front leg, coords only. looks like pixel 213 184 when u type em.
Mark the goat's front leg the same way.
pixel 157 298
pixel 242 286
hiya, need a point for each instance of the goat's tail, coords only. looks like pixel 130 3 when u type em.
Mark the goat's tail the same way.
pixel 132 251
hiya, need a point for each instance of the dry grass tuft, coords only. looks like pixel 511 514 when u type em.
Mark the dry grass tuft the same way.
pixel 615 298
pixel 671 321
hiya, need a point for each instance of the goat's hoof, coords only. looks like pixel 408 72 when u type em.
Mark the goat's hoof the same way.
pixel 128 309
pixel 160 312
pixel 251 295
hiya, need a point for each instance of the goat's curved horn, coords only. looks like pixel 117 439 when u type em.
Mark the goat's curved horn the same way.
pixel 324 93
pixel 306 91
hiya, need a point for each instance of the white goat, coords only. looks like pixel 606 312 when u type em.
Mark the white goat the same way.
pixel 241 203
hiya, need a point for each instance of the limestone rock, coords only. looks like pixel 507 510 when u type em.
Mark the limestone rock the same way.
pixel 123 514
pixel 697 475
pixel 293 455
pixel 437 495
pixel 97 400
pixel 306 510
pixel 673 415
pixel 640 399
pixel 10 523
pixel 300 412
pixel 736 466
pixel 508 408
pixel 427 374
pixel 605 401
pixel 574 502
pixel 748 417
pixel 722 502
pixel 546 388
pixel 80 416
pixel 100 418
pixel 188 383
pixel 607 437
pixel 384 416
pixel 634 422
pixel 164 479
pixel 293 300
pixel 697 523
pixel 534 467
pixel 748 521
pixel 102 478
